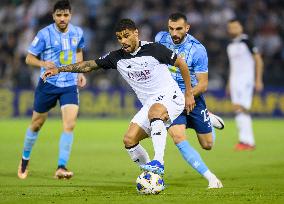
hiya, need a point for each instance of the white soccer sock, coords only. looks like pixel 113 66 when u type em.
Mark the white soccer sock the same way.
pixel 159 138
pixel 209 175
pixel 244 124
pixel 139 155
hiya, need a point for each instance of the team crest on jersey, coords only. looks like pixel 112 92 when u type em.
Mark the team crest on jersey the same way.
pixel 74 41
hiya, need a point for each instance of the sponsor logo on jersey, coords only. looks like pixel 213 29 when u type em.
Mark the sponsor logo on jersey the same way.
pixel 139 75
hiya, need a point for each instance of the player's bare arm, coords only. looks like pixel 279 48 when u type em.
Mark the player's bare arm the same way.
pixel 258 72
pixel 79 67
pixel 32 60
pixel 189 98
pixel 79 55
pixel 202 85
pixel 82 81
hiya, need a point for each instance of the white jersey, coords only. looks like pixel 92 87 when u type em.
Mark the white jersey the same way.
pixel 242 70
pixel 242 66
pixel 145 70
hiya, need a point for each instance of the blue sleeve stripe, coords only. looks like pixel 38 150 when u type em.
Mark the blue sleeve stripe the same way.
pixel 77 32
pixel 189 51
pixel 160 37
pixel 49 33
pixel 79 37
pixel 165 33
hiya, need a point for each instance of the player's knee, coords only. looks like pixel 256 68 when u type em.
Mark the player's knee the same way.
pixel 178 138
pixel 129 140
pixel 207 145
pixel 69 126
pixel 36 125
pixel 154 112
pixel 157 111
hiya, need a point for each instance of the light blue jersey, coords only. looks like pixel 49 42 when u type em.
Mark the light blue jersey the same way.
pixel 191 50
pixel 52 45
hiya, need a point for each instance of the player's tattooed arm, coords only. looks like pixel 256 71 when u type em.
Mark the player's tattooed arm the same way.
pixel 80 67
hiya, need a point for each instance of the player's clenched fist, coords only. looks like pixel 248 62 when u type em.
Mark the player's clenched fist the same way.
pixel 49 73
pixel 82 81
pixel 189 102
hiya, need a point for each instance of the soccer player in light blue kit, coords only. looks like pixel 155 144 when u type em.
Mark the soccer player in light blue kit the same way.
pixel 56 45
pixel 190 49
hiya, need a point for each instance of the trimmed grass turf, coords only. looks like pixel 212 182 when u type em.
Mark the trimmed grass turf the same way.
pixel 105 174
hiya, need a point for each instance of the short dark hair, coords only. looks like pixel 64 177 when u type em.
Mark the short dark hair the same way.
pixel 62 5
pixel 124 24
pixel 235 20
pixel 177 16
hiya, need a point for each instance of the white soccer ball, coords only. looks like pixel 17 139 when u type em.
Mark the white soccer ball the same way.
pixel 149 183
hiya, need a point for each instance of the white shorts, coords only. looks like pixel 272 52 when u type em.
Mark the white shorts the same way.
pixel 242 93
pixel 173 100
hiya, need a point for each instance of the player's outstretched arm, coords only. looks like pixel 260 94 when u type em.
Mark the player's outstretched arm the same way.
pixel 80 67
pixel 32 60
pixel 189 98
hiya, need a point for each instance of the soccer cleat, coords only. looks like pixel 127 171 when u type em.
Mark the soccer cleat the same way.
pixel 216 121
pixel 215 183
pixel 63 173
pixel 153 166
pixel 242 147
pixel 23 169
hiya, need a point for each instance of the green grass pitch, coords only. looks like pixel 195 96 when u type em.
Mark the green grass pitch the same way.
pixel 105 174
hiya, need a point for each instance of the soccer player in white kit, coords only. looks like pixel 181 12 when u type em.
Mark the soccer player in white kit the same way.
pixel 246 70
pixel 144 66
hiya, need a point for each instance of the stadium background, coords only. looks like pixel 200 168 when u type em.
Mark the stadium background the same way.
pixel 103 170
pixel 106 93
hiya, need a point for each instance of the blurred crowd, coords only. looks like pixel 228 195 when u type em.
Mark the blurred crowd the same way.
pixel 21 19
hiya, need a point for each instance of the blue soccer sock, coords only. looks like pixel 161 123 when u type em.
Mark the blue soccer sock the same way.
pixel 192 157
pixel 65 145
pixel 30 139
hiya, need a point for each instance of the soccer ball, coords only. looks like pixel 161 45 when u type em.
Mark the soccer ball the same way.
pixel 149 183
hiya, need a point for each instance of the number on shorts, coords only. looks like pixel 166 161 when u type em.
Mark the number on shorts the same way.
pixel 206 117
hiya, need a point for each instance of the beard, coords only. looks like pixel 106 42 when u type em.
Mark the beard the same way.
pixel 177 40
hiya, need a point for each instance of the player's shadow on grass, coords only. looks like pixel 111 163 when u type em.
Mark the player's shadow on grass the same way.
pixel 182 181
